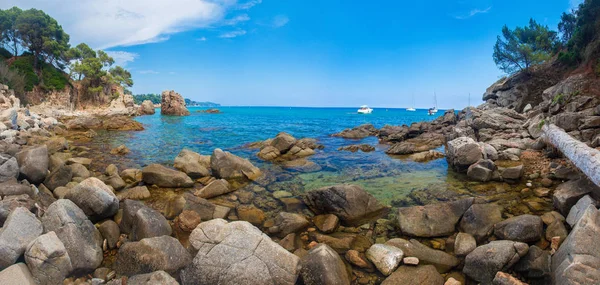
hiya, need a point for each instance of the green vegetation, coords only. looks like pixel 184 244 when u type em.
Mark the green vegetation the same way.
pixel 558 99
pixel 523 47
pixel 189 102
pixel 155 98
pixel 46 54
pixel 541 124
pixel 13 78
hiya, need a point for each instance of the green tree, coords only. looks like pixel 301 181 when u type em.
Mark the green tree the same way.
pixel 76 55
pixel 8 29
pixel 121 76
pixel 42 36
pixel 566 26
pixel 519 49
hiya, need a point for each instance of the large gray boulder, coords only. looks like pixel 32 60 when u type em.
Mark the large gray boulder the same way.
pixel 95 198
pixel 442 261
pixel 482 170
pixel 60 176
pixel 432 220
pixel 567 194
pixel 152 254
pixel 33 163
pixel 228 166
pixel 129 210
pixel 462 152
pixel 9 168
pixel 479 220
pixel 17 274
pixel 322 265
pixel 156 174
pixel 485 261
pixel 385 257
pixel 79 236
pixel 415 275
pixel 577 259
pixel 12 188
pixel 238 253
pixel 149 223
pixel 192 163
pixel 21 228
pixel 523 228
pixel 351 203
pixel 10 203
pixel 48 259
pixel 536 264
pixel 579 208
pixel 155 278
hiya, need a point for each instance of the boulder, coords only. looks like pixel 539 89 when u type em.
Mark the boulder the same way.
pixel 152 254
pixel 14 188
pixel 155 278
pixel 238 253
pixel 326 223
pixel 485 261
pixel 48 259
pixel 95 198
pixel 173 104
pixel 269 153
pixel 59 177
pixel 110 232
pixel 536 264
pixel 9 168
pixel 579 208
pixel 33 164
pixel 464 244
pixel 385 257
pixel 567 194
pixel 523 228
pixel 134 193
pixel 147 108
pixel 482 170
pixel 251 214
pixel 462 152
pixel 17 274
pixel 511 173
pixel 78 170
pixel 131 175
pixel 192 163
pixel 577 259
pixel 322 265
pixel 206 209
pixel 415 275
pixel 359 132
pixel 479 220
pixel 84 123
pixel 129 210
pixel 432 220
pixel 10 203
pixel 20 228
pixel 502 278
pixel 228 166
pixel 357 147
pixel 156 174
pixel 442 261
pixel 286 223
pixel 214 189
pixel 283 142
pixel 351 203
pixel 149 223
pixel 79 236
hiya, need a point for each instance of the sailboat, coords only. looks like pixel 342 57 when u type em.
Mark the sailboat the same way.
pixel 434 109
pixel 412 109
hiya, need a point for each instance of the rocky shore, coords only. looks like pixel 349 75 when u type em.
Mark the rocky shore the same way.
pixel 529 217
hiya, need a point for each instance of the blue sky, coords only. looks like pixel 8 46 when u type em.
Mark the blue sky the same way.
pixel 304 52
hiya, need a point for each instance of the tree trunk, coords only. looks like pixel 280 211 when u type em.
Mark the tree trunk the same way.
pixel 585 158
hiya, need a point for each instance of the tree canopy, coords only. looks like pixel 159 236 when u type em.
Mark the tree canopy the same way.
pixel 517 50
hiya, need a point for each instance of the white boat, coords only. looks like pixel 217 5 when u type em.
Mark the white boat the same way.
pixel 434 109
pixel 412 109
pixel 364 109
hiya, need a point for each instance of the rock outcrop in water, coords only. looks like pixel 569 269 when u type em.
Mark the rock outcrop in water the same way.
pixel 173 104
pixel 147 108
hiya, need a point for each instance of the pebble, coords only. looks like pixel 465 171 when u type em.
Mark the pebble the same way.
pixel 410 261
pixel 452 281
pixel 529 184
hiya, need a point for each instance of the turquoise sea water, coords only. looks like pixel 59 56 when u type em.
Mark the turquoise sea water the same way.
pixel 388 178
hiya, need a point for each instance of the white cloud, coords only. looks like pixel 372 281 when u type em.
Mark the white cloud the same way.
pixel 280 21
pixel 232 34
pixel 236 20
pixel 148 72
pixel 202 39
pixel 249 4
pixel 122 57
pixel 111 23
pixel 172 72
pixel 473 13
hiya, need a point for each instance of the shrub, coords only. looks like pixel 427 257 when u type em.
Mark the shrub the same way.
pixel 13 78
pixel 54 78
pixel 24 65
pixel 570 58
pixel 4 53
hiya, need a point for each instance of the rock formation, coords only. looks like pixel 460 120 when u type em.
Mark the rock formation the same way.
pixel 173 104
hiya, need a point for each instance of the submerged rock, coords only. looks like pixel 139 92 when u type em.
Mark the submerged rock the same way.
pixel 415 275
pixel 357 147
pixel 442 261
pixel 238 253
pixel 352 204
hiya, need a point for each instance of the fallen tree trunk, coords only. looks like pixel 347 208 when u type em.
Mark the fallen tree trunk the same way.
pixel 585 158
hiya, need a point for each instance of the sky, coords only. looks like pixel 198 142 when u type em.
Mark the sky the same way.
pixel 316 53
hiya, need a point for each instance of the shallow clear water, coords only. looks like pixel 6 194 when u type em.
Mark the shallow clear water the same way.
pixel 388 178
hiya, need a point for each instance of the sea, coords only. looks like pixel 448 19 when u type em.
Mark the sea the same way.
pixel 391 179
